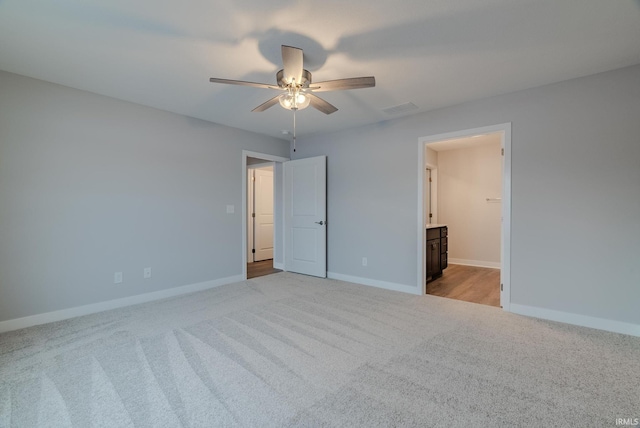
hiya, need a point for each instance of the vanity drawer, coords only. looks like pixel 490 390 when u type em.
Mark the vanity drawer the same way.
pixel 444 232
pixel 443 245
pixel 433 233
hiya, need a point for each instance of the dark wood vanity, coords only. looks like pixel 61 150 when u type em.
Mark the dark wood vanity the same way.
pixel 436 250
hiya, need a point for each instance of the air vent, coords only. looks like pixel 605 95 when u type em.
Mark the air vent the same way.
pixel 401 108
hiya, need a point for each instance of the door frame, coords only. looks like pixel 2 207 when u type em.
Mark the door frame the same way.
pixel 505 247
pixel 278 217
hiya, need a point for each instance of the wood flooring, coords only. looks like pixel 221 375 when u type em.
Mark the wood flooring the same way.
pixel 468 283
pixel 261 268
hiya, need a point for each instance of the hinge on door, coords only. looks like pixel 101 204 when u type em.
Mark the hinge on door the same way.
pixel 502 151
pixel 253 251
pixel 253 214
pixel 430 215
pixel 430 180
pixel 500 287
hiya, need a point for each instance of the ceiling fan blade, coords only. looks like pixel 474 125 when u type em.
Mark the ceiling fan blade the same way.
pixel 292 62
pixel 320 104
pixel 343 84
pixel 243 83
pixel 267 104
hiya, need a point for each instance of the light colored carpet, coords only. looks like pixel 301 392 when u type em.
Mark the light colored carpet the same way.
pixel 290 350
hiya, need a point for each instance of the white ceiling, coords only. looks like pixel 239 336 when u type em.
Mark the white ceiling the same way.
pixel 465 142
pixel 432 53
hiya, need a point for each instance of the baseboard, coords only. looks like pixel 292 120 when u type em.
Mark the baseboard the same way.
pixel 374 283
pixel 63 314
pixel 476 263
pixel 575 319
pixel 277 265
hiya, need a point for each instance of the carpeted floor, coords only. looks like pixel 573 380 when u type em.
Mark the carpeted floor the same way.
pixel 290 350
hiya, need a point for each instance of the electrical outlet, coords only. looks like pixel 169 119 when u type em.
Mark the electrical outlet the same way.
pixel 117 278
pixel 364 261
pixel 147 273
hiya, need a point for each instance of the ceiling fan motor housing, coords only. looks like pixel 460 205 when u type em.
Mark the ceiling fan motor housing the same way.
pixel 306 79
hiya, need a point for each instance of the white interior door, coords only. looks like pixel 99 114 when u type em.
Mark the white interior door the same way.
pixel 305 202
pixel 263 208
pixel 250 227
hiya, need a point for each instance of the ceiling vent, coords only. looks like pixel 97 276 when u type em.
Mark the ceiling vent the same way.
pixel 401 108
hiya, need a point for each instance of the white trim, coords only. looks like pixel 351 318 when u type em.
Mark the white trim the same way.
pixel 264 156
pixel 505 271
pixel 268 158
pixel 278 266
pixel 374 283
pixel 78 311
pixel 476 263
pixel 422 231
pixel 576 319
pixel 505 236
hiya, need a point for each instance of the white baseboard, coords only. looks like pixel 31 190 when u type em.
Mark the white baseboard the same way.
pixel 575 319
pixel 277 265
pixel 476 263
pixel 374 283
pixel 63 314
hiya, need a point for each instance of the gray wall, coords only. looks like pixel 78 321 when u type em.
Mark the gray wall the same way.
pixel 90 185
pixel 575 193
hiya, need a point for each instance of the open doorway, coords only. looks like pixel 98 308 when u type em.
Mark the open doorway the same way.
pixel 466 215
pixel 260 220
pixel 262 214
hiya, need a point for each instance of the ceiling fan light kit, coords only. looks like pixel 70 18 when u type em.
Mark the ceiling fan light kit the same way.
pixel 294 100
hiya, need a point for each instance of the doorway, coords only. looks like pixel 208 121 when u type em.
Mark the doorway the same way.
pixel 270 258
pixel 300 236
pixel 479 222
pixel 260 218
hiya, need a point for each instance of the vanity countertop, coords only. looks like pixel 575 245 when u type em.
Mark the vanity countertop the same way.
pixel 434 225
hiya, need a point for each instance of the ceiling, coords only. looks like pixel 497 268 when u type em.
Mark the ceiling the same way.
pixel 466 142
pixel 432 53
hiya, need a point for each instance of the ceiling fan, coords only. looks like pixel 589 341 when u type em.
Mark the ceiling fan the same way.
pixel 298 89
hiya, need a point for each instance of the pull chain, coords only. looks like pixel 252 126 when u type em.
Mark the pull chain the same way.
pixel 294 129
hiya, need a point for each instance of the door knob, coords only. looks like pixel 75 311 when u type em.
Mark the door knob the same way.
pixel 320 222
